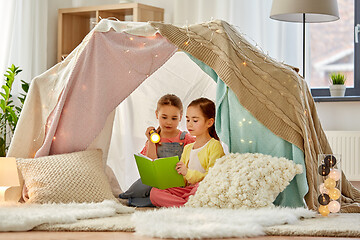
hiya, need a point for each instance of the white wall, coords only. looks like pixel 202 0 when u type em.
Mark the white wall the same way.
pixel 339 116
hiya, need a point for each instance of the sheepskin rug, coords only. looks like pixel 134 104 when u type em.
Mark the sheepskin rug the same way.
pixel 193 223
pixel 24 217
pixel 250 180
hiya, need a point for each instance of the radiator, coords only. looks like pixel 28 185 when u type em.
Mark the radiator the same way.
pixel 347 143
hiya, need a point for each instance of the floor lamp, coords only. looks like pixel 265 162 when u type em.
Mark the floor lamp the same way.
pixel 305 11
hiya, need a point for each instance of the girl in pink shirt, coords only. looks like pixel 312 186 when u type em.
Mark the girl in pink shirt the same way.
pixel 172 141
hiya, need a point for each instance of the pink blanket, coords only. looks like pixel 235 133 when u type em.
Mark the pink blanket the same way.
pixel 111 66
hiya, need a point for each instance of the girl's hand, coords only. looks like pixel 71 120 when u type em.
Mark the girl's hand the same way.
pixel 181 168
pixel 147 133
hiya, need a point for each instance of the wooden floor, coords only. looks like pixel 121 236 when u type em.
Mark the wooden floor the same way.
pixel 32 235
pixel 118 236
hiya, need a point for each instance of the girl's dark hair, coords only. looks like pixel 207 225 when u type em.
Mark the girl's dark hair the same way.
pixel 208 110
pixel 170 100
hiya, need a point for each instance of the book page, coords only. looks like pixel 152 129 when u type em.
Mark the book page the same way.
pixel 166 173
pixel 146 170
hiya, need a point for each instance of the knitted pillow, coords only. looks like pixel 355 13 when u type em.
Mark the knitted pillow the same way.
pixel 244 181
pixel 73 177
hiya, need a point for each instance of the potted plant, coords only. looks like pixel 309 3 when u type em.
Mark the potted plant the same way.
pixel 9 112
pixel 337 87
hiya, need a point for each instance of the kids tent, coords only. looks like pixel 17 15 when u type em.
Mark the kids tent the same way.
pixel 262 105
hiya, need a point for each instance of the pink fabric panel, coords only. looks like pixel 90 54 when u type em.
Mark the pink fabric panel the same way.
pixel 111 66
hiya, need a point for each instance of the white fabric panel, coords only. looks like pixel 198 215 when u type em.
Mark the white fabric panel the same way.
pixel 179 76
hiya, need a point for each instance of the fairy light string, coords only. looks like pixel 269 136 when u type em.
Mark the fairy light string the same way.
pixel 305 115
pixel 51 96
pixel 76 53
pixel 242 54
pixel 262 58
pixel 243 62
pixel 266 59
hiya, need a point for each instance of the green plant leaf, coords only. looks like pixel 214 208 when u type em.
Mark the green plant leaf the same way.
pixel 25 86
pixel 6 89
pixel 2 104
pixel 14 118
pixel 22 99
pixel 2 147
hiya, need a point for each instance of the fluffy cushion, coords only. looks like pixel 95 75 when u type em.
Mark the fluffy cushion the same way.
pixel 244 181
pixel 74 177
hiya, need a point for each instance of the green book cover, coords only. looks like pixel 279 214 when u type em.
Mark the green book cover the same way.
pixel 160 172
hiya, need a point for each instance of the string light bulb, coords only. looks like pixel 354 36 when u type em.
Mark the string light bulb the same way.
pixel 330 160
pixel 335 174
pixel 334 206
pixel 334 193
pixel 323 189
pixel 323 170
pixel 324 199
pixel 324 210
pixel 330 183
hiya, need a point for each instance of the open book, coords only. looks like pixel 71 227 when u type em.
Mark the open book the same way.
pixel 159 173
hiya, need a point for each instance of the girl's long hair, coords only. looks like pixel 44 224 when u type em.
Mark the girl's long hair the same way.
pixel 208 110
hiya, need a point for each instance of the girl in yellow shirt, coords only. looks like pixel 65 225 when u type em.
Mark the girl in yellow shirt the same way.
pixel 196 158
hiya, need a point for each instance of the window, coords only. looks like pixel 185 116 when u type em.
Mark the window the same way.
pixel 333 49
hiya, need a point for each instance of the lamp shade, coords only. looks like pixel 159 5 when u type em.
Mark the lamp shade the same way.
pixel 315 10
pixel 8 172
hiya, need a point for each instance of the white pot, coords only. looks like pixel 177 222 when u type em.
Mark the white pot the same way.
pixel 337 90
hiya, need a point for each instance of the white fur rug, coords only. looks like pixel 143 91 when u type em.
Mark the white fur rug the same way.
pixel 334 225
pixel 117 223
pixel 213 223
pixel 24 217
pixel 337 225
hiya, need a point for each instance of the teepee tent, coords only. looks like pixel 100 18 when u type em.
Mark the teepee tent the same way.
pixel 262 105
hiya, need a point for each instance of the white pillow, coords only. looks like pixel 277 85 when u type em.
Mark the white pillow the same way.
pixel 73 177
pixel 244 181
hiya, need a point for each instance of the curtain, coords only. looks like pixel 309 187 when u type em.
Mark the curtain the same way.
pixel 280 40
pixel 24 38
pixel 5 28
